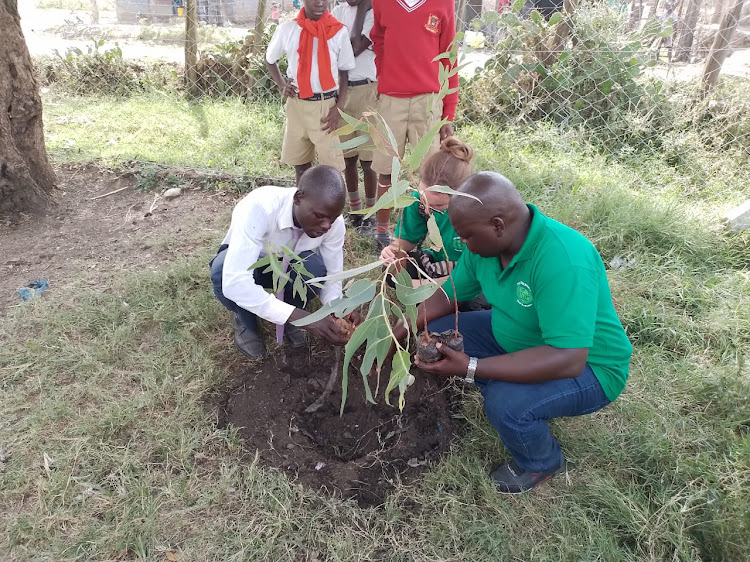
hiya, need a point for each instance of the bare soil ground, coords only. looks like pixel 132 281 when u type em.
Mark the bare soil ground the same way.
pixel 87 242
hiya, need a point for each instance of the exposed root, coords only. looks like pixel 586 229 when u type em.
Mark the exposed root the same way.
pixel 315 406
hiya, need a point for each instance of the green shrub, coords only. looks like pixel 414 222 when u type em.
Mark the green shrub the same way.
pixel 102 72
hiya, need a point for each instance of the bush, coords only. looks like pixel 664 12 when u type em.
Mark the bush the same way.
pixel 106 72
pixel 591 77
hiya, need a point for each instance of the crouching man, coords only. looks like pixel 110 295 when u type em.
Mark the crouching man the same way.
pixel 306 219
pixel 550 347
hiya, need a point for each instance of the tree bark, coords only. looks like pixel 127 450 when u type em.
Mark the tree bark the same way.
pixel 720 48
pixel 94 12
pixel 260 26
pixel 687 31
pixel 26 176
pixel 191 46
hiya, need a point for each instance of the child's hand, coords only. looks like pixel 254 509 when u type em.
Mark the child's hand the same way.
pixel 331 121
pixel 289 90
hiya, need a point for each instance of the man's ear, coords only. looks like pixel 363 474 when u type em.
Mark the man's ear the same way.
pixel 498 225
pixel 298 196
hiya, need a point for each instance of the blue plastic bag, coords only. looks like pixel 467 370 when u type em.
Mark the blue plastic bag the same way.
pixel 33 289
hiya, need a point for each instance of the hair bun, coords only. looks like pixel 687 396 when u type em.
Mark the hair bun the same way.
pixel 458 149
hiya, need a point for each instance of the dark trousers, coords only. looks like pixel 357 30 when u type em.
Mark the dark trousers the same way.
pixel 313 263
pixel 520 412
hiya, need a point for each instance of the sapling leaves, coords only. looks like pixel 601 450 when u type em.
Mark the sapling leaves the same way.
pixel 450 191
pixel 433 231
pixel 423 146
pixel 360 335
pixel 400 376
pixel 361 291
pixel 346 274
pixel 352 143
pixel 416 295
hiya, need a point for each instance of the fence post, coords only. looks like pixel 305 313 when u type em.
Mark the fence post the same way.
pixel 191 47
pixel 260 21
pixel 720 47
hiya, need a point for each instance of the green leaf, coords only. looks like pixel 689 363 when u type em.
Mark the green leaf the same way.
pixel 536 17
pixel 450 191
pixel 375 342
pixel 411 312
pixel 416 295
pixel 518 5
pixel 401 365
pixel 344 130
pixel 265 260
pixel 389 134
pixel 395 168
pixel 346 274
pixel 353 121
pixel 433 230
pixel 424 144
pixel 606 87
pixel 361 291
pixel 360 335
pixel 352 143
pixel 555 19
pixel 394 198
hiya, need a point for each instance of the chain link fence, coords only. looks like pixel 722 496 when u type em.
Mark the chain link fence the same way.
pixel 625 79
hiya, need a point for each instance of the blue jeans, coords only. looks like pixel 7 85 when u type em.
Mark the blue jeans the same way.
pixel 520 412
pixel 313 263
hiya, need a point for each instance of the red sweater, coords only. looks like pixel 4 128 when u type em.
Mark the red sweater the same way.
pixel 405 41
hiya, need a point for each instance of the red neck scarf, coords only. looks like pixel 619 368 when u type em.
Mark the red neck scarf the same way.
pixel 324 28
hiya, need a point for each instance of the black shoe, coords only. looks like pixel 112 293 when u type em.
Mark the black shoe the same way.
pixel 512 479
pixel 294 335
pixel 368 227
pixel 382 239
pixel 248 339
pixel 354 220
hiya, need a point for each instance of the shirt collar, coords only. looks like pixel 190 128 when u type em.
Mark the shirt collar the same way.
pixel 286 218
pixel 536 229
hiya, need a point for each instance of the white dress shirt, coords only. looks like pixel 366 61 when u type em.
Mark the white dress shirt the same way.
pixel 263 219
pixel 364 63
pixel 285 41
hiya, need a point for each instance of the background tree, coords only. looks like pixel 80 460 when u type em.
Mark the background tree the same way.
pixel 26 176
pixel 687 31
pixel 720 48
pixel 94 12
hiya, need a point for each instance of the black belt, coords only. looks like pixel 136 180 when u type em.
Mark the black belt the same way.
pixel 361 82
pixel 325 96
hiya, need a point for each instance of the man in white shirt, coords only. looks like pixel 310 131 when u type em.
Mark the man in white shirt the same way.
pixel 305 219
pixel 319 55
pixel 361 96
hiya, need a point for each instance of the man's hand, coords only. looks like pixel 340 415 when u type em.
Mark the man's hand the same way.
pixel 454 363
pixel 331 121
pixel 446 131
pixel 328 330
pixel 354 318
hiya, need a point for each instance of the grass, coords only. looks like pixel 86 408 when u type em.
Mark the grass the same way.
pixel 114 396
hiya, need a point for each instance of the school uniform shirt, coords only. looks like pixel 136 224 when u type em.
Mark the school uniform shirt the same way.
pixel 364 63
pixel 553 292
pixel 263 221
pixel 285 41
pixel 406 36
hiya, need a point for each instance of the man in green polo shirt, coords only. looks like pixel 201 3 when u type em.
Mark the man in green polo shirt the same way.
pixel 552 345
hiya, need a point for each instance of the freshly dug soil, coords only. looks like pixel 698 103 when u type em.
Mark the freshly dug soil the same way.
pixel 429 353
pixel 362 454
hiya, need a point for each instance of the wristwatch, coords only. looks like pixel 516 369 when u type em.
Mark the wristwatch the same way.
pixel 471 370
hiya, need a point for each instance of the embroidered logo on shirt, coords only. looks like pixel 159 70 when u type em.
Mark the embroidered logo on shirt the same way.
pixel 523 294
pixel 433 24
pixel 458 246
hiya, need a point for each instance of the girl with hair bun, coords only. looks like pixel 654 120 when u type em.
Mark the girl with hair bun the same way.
pixel 450 166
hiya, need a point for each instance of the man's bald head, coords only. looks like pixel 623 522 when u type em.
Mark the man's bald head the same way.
pixel 323 182
pixel 319 200
pixel 498 196
pixel 497 223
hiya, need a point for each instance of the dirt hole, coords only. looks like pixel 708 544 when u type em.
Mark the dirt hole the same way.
pixel 362 454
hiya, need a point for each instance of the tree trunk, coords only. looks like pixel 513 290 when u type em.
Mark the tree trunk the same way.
pixel 26 176
pixel 687 31
pixel 191 46
pixel 260 26
pixel 720 48
pixel 94 12
pixel 720 8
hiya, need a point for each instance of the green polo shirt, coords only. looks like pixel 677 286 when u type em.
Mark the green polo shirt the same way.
pixel 554 292
pixel 413 228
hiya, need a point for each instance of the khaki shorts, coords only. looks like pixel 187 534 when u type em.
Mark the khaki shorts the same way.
pixel 304 136
pixel 409 119
pixel 358 100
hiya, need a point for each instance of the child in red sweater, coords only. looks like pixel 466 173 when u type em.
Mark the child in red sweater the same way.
pixel 406 36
